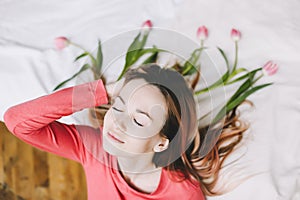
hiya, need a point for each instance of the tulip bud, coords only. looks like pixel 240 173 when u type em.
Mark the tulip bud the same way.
pixel 61 42
pixel 235 35
pixel 270 68
pixel 202 33
pixel 147 25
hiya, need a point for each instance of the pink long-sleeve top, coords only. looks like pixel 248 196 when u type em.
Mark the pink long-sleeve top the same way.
pixel 35 123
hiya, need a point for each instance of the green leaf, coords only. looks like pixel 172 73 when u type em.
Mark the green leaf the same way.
pixel 244 76
pixel 219 82
pixel 191 69
pixel 153 49
pixel 94 62
pixel 99 59
pixel 241 98
pixel 83 68
pixel 86 53
pixel 81 56
pixel 222 113
pixel 222 80
pixel 236 72
pixel 242 88
pixel 136 46
pixel 133 52
pixel 225 58
pixel 152 58
pixel 189 66
pixel 248 83
pixel 234 102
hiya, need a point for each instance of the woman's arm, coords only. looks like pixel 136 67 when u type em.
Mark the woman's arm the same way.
pixel 34 121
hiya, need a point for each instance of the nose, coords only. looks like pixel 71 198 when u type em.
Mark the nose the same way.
pixel 120 124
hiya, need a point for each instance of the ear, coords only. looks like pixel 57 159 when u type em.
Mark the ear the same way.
pixel 162 145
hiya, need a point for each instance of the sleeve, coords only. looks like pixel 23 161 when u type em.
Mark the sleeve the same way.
pixel 35 121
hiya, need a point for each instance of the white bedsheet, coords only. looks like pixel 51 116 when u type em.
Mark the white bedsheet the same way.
pixel 30 66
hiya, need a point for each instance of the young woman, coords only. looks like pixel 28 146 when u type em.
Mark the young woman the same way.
pixel 149 146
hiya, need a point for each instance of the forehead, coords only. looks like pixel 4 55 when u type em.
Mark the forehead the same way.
pixel 139 93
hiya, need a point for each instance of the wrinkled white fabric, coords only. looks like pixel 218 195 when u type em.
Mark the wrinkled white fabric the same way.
pixel 30 66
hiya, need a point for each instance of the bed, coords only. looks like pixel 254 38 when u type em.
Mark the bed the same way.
pixel 31 66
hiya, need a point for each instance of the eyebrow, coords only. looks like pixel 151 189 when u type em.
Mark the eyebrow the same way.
pixel 138 110
pixel 144 113
pixel 121 99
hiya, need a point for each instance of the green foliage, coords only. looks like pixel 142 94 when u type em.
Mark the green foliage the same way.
pixel 82 69
pixel 137 50
pixel 95 67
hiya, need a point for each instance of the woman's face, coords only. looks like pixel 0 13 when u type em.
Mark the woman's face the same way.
pixel 133 123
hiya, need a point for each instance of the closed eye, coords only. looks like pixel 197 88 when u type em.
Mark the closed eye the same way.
pixel 139 124
pixel 117 109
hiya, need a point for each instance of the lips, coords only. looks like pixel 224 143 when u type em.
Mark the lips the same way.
pixel 114 138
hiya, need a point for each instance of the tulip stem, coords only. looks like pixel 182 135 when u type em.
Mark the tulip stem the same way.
pixel 94 63
pixel 201 43
pixel 236 56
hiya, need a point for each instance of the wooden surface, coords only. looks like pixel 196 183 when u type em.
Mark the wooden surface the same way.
pixel 30 174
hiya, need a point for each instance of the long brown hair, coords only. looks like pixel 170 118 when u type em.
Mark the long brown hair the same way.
pixel 185 152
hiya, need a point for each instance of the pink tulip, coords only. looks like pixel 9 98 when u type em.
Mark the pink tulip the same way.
pixel 270 68
pixel 235 35
pixel 147 25
pixel 202 33
pixel 61 42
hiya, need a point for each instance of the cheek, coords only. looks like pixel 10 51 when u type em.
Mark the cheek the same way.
pixel 107 123
pixel 108 120
pixel 142 145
